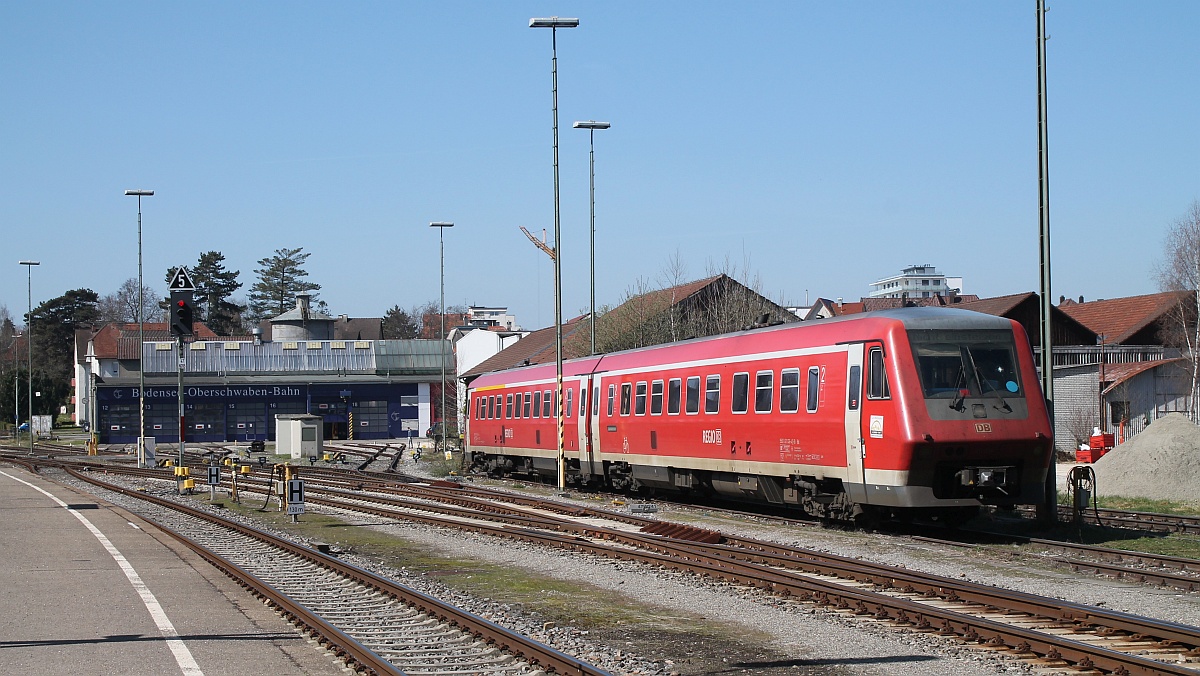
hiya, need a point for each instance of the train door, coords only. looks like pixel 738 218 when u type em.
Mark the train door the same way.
pixel 583 425
pixel 856 448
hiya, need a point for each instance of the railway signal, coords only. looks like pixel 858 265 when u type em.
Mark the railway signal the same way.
pixel 183 312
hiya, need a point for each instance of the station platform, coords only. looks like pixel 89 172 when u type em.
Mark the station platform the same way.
pixel 92 589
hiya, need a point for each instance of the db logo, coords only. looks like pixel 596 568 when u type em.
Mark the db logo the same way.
pixel 983 428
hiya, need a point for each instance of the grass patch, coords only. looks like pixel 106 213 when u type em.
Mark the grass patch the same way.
pixel 1179 507
pixel 562 601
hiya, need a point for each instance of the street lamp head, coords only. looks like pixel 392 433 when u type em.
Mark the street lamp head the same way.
pixel 29 263
pixel 441 224
pixel 553 22
pixel 591 124
pixel 139 193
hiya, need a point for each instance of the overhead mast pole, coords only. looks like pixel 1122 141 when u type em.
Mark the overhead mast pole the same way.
pixel 1048 509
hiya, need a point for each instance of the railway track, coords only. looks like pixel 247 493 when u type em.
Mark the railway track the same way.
pixel 372 623
pixel 1046 630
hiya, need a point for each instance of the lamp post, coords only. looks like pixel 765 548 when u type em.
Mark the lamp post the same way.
pixel 441 226
pixel 29 343
pixel 592 126
pixel 554 23
pixel 141 445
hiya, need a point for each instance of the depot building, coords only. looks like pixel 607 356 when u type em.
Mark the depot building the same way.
pixel 234 387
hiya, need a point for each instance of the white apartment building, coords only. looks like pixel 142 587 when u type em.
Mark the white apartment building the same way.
pixel 916 281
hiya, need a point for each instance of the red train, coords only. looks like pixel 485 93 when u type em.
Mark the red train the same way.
pixel 919 412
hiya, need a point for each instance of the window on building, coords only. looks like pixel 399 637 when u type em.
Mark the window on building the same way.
pixel 789 391
pixel 656 396
pixel 740 396
pixel 693 394
pixel 764 391
pixel 674 388
pixel 712 394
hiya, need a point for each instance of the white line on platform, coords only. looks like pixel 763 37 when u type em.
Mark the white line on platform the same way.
pixel 183 656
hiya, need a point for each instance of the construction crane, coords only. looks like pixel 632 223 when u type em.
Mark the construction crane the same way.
pixel 539 243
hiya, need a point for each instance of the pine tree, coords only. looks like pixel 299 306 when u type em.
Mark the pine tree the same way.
pixel 280 279
pixel 399 324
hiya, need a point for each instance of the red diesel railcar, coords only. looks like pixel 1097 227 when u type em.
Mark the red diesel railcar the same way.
pixel 914 412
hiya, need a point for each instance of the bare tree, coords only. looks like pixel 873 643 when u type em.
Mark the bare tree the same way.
pixel 122 305
pixel 1180 271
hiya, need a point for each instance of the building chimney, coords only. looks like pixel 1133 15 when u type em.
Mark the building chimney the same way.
pixel 1081 299
pixel 839 301
pixel 302 304
pixel 257 333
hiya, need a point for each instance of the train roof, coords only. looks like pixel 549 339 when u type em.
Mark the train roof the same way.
pixel 910 318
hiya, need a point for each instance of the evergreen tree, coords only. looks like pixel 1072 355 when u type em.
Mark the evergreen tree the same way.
pixel 280 279
pixel 399 324
pixel 54 324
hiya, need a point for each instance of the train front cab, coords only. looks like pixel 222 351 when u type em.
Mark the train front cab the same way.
pixel 963 425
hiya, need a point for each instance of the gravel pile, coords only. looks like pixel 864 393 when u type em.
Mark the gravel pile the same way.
pixel 1160 463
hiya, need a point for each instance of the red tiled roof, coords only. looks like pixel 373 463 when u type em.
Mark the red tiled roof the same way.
pixel 1119 319
pixel 999 306
pixel 874 304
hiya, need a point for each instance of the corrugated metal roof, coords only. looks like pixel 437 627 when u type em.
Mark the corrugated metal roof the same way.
pixel 373 357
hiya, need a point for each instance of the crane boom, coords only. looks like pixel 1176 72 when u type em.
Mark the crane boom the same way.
pixel 538 243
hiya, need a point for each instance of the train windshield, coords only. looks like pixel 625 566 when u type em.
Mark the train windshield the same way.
pixel 958 364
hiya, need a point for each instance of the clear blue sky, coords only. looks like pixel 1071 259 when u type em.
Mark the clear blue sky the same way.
pixel 826 143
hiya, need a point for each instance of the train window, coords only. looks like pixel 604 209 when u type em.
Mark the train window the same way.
pixel 693 394
pixel 499 401
pixel 877 384
pixel 478 408
pixel 508 413
pixel 546 404
pixel 639 406
pixel 596 402
pixel 528 399
pixel 854 387
pixel 491 407
pixel 712 394
pixel 612 397
pixel 569 408
pixel 537 404
pixel 789 391
pixel 764 391
pixel 656 392
pixel 626 390
pixel 741 392
pixel 814 387
pixel 582 400
pixel 674 387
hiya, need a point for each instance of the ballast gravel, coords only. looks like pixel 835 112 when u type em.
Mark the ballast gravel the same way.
pixel 810 641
